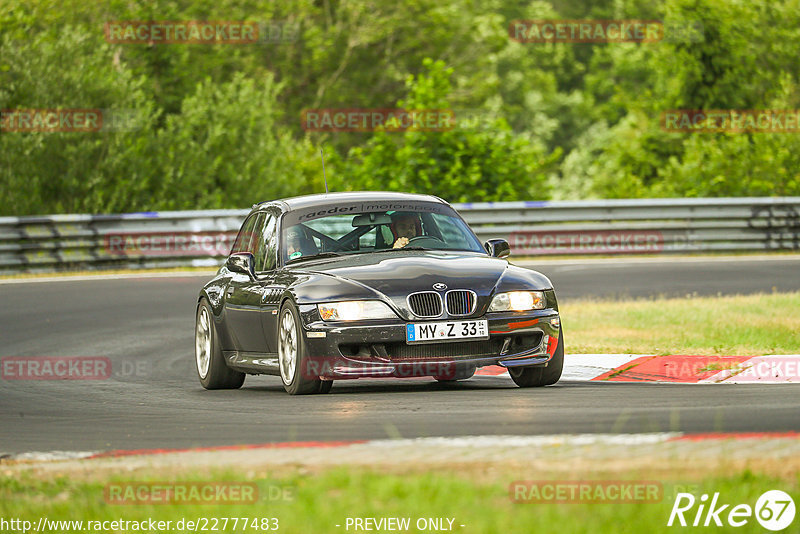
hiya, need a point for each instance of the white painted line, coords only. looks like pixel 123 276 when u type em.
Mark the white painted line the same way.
pixel 441 443
pixel 528 441
pixel 49 456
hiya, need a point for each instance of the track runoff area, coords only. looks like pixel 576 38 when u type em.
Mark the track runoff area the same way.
pixel 616 470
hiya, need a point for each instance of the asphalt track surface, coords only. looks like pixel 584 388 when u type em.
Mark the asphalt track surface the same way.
pixel 153 399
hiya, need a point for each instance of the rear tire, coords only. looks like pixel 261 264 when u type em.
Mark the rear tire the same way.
pixel 292 357
pixel 527 377
pixel 212 370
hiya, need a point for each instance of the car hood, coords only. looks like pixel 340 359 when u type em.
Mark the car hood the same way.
pixel 393 276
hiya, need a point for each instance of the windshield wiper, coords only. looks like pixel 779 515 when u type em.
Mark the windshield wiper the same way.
pixel 404 248
pixel 328 254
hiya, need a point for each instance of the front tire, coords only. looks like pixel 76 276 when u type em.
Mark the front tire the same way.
pixel 292 357
pixel 212 370
pixel 527 377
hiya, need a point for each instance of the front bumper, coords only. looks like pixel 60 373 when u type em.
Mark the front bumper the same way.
pixel 341 350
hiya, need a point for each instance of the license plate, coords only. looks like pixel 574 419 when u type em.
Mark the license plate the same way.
pixel 450 330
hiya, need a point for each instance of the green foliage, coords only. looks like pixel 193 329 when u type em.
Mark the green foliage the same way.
pixel 224 149
pixel 70 171
pixel 745 59
pixel 487 163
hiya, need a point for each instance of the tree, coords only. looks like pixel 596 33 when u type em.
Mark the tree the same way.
pixel 487 163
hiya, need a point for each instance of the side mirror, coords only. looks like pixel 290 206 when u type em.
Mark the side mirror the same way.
pixel 241 262
pixel 499 248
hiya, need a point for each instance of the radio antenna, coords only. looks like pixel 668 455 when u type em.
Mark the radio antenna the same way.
pixel 322 157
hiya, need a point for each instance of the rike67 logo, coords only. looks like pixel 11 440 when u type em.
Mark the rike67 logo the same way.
pixel 774 510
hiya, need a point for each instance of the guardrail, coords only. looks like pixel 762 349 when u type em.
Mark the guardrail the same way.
pixel 643 226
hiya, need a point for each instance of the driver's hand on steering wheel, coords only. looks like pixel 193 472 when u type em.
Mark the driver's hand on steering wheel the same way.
pixel 401 242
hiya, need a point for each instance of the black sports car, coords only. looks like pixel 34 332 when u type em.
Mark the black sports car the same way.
pixel 371 284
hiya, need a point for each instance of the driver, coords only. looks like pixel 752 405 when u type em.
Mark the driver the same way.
pixel 405 226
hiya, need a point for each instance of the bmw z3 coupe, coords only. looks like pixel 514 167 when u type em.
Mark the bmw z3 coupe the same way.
pixel 371 284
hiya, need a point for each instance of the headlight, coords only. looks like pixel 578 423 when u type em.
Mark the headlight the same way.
pixel 518 301
pixel 354 310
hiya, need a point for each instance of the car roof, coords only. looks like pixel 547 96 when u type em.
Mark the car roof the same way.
pixel 323 199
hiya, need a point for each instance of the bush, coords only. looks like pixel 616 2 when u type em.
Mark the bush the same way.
pixel 487 163
pixel 69 171
pixel 225 148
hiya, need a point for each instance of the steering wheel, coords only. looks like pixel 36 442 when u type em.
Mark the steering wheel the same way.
pixel 419 238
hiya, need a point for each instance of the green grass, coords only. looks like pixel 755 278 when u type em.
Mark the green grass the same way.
pixel 327 498
pixel 735 325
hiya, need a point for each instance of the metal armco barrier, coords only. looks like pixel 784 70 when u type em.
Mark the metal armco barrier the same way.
pixel 642 226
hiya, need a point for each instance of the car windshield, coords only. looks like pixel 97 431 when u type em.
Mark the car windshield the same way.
pixel 329 232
